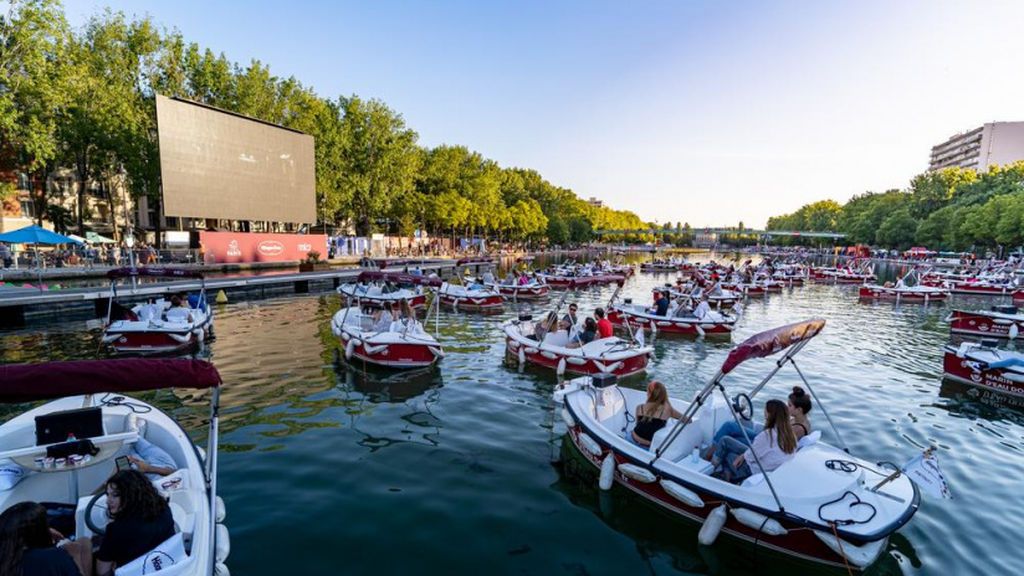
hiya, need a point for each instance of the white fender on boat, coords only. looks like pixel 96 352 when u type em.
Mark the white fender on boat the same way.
pixel 759 521
pixel 638 473
pixel 436 351
pixel 549 355
pixel 663 323
pixel 222 510
pixel 609 368
pixel 607 472
pixel 589 444
pixel 455 304
pixel 684 325
pixel 684 495
pixel 561 367
pixel 110 338
pixel 859 556
pixel 223 543
pixel 339 332
pixel 200 334
pixel 707 326
pixel 712 526
pixel 349 348
pixel 522 357
pixel 567 418
pixel 531 350
pixel 700 331
pixel 513 344
pixel 1014 331
pixel 575 360
pixel 371 350
pixel 221 569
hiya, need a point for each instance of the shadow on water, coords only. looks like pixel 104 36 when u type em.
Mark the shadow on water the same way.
pixel 658 534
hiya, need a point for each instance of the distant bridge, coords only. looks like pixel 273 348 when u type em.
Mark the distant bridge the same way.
pixel 726 231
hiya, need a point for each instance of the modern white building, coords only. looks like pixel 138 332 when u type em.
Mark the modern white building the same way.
pixel 994 143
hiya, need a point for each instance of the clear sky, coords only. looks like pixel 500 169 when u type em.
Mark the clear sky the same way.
pixel 702 112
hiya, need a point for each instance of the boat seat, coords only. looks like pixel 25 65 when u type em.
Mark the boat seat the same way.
pixel 557 338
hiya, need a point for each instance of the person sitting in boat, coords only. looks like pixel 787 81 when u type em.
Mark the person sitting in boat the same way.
pixel 799 405
pixel 549 324
pixel 660 307
pixel 588 335
pixel 27 544
pixel 407 317
pixel 653 414
pixel 141 520
pixel 382 319
pixel 604 326
pixel 570 320
pixel 683 308
pixel 734 461
pixel 179 311
pixel 900 283
pixel 487 277
pixel 702 309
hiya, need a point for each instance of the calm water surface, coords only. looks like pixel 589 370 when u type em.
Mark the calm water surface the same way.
pixel 331 469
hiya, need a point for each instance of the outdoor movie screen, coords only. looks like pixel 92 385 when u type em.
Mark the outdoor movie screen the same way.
pixel 216 164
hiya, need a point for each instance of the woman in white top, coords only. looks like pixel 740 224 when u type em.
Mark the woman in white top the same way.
pixel 772 447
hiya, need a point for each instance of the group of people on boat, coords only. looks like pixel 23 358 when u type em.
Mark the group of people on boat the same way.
pixel 576 331
pixel 399 318
pixel 178 309
pixel 683 307
pixel 740 450
pixel 139 520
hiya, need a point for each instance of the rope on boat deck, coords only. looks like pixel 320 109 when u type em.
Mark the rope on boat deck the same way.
pixel 842 554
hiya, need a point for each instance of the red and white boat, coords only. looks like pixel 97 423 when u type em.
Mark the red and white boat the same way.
pixel 908 294
pixel 157 327
pixel 722 300
pixel 475 297
pixel 809 507
pixel 755 290
pixel 1000 322
pixel 382 289
pixel 842 275
pixel 605 356
pixel 392 344
pixel 532 290
pixel 980 365
pixel 638 316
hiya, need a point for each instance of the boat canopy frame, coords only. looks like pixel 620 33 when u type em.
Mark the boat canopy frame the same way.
pixel 792 338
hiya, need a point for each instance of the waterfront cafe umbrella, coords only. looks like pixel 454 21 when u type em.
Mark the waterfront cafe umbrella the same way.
pixel 94 238
pixel 36 235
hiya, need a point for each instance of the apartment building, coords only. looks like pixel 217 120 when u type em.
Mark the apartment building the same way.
pixel 993 143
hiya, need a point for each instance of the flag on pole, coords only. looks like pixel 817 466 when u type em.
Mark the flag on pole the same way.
pixel 925 472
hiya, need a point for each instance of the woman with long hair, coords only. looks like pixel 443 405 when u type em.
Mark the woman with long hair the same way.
pixel 27 544
pixel 141 520
pixel 653 414
pixel 771 448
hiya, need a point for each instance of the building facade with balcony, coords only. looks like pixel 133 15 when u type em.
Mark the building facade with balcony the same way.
pixel 993 143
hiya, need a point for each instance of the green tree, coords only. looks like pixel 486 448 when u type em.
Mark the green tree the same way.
pixel 378 159
pixel 897 230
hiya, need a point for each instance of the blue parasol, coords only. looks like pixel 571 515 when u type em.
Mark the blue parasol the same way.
pixel 36 235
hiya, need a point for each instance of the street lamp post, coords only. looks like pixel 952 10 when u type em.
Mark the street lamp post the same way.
pixel 129 238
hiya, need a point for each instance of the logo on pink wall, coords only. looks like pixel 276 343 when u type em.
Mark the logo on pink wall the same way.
pixel 270 248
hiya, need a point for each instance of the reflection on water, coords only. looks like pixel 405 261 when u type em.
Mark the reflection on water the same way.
pixel 397 472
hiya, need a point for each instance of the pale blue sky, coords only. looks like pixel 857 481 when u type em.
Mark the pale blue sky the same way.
pixel 704 112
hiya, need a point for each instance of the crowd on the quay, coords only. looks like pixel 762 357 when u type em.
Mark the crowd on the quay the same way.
pixel 84 255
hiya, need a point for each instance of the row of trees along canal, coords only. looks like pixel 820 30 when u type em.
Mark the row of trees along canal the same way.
pixel 951 209
pixel 83 99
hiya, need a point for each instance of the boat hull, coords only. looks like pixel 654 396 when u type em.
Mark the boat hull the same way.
pixel 158 342
pixel 961 370
pixel 574 364
pixel 523 292
pixel 981 324
pixel 883 293
pixel 670 325
pixel 492 303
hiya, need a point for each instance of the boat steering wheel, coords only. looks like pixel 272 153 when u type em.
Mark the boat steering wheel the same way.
pixel 743 406
pixel 88 513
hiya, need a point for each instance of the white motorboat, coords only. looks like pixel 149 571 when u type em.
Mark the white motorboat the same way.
pixel 474 297
pixel 822 505
pixel 382 289
pixel 89 402
pixel 393 344
pixel 559 352
pixel 157 327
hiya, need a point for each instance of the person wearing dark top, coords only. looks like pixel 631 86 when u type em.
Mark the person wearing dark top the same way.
pixel 652 415
pixel 661 305
pixel 26 544
pixel 588 334
pixel 141 521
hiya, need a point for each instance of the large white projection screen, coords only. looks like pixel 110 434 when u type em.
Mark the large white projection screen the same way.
pixel 215 164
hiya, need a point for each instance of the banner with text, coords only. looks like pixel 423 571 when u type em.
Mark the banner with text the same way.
pixel 233 247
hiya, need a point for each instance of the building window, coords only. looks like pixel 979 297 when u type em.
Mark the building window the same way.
pixel 28 209
pixel 23 181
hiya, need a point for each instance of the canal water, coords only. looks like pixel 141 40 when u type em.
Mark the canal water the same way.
pixel 329 469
